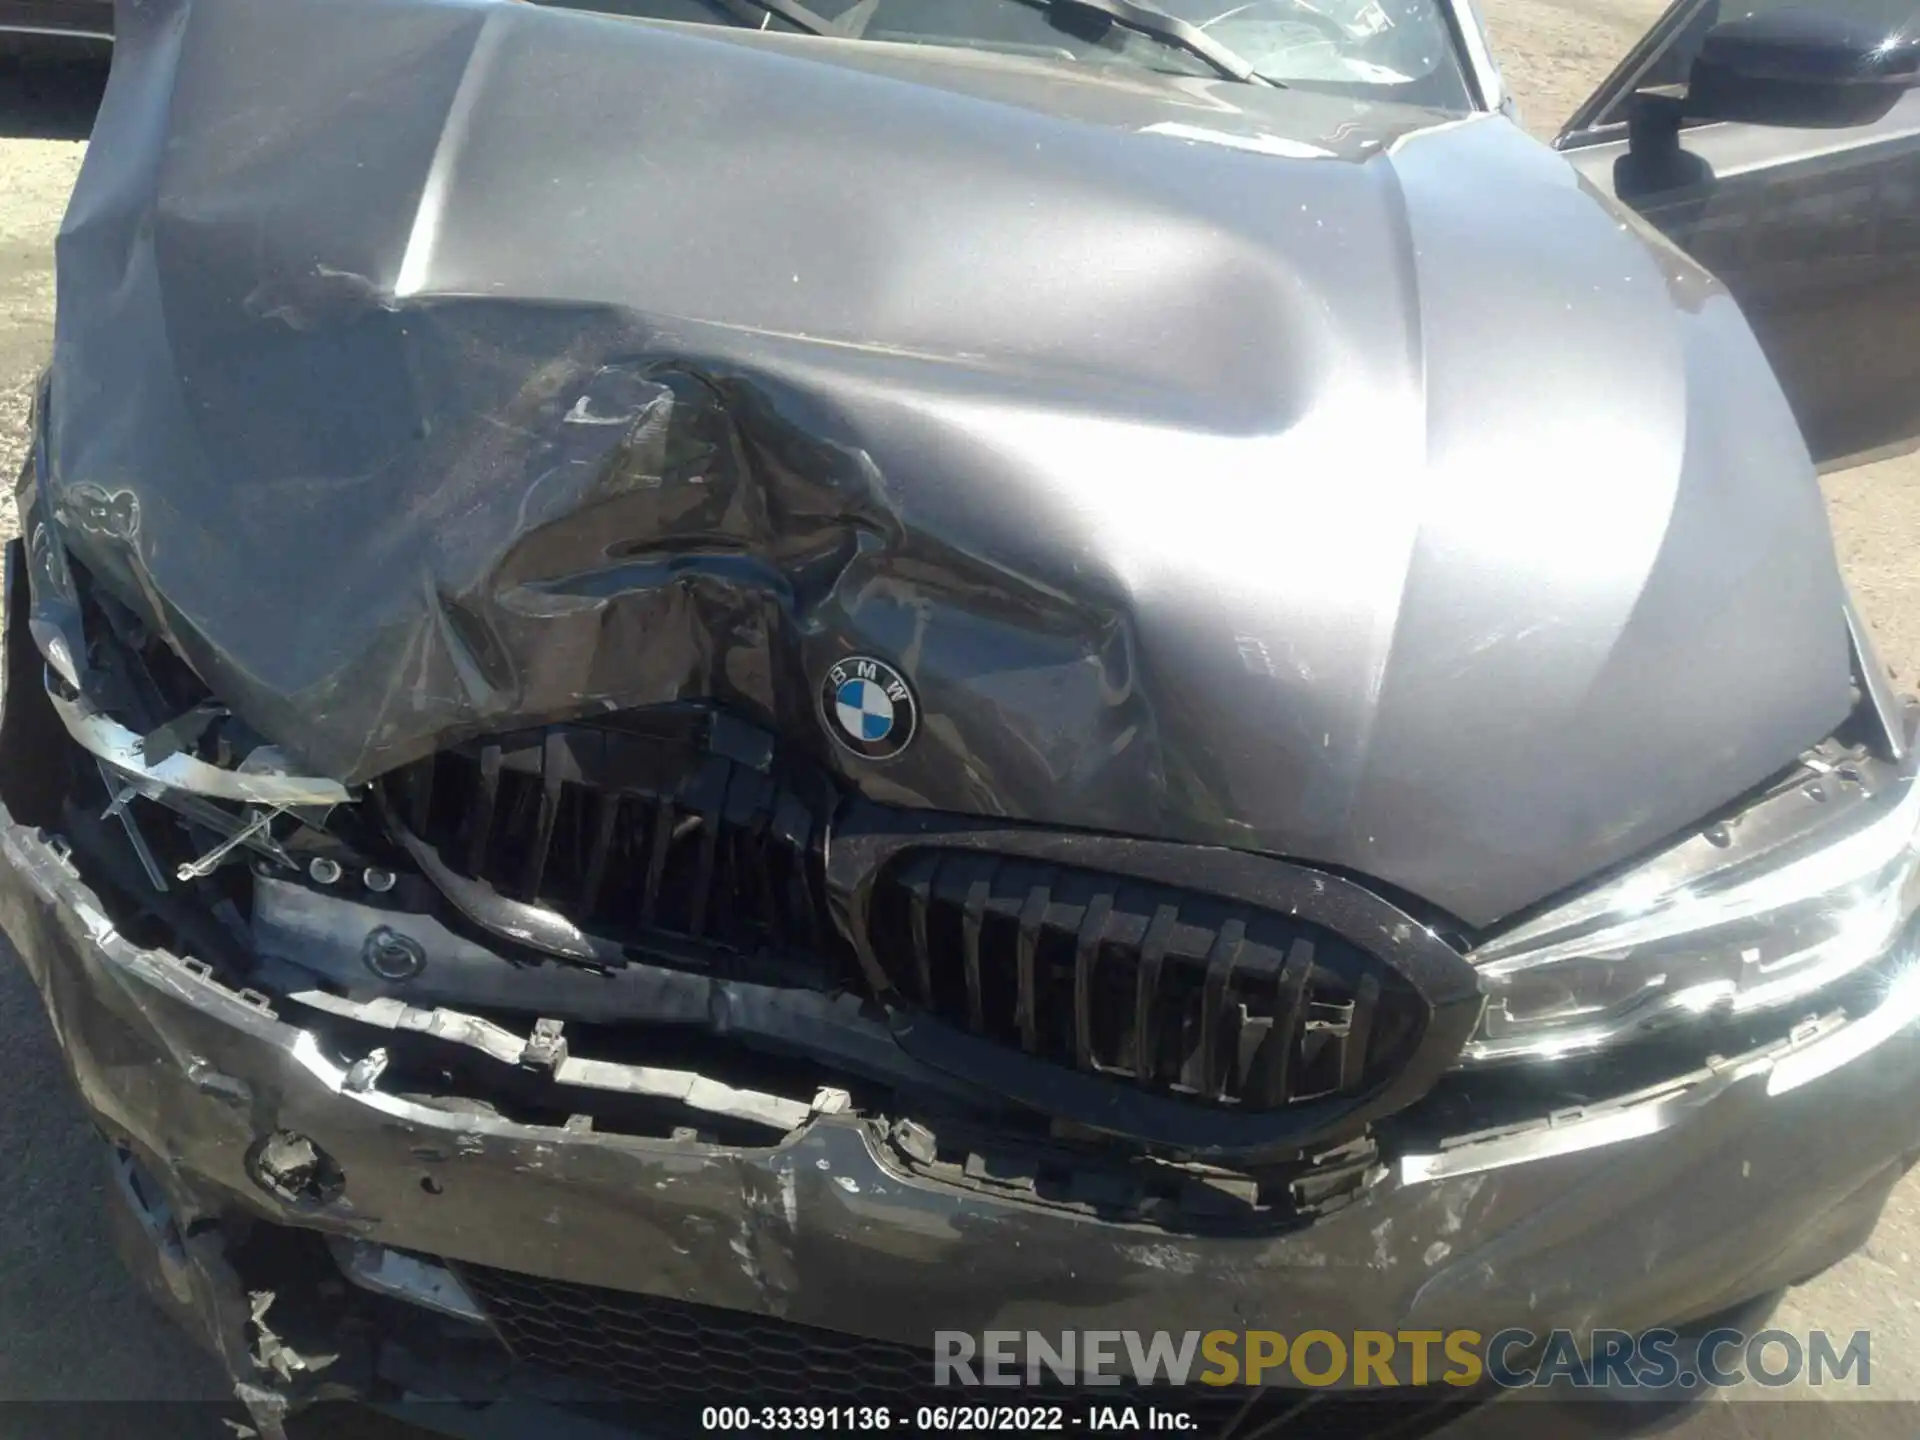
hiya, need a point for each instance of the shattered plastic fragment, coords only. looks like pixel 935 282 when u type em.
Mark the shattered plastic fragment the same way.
pixel 296 1170
pixel 273 1354
pixel 119 747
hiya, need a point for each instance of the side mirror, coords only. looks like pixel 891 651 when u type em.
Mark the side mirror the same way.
pixel 1807 68
pixel 1803 68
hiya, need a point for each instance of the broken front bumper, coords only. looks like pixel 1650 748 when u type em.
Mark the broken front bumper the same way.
pixel 1746 1176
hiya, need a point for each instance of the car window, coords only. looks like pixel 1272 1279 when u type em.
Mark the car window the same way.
pixel 1400 50
pixel 1672 61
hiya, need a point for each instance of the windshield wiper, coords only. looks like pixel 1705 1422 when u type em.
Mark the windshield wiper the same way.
pixel 848 25
pixel 1132 14
pixel 796 15
pixel 1168 29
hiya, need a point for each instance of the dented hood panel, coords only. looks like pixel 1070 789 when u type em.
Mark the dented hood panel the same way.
pixel 1221 464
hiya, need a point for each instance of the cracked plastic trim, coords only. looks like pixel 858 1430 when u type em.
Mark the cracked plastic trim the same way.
pixel 109 740
pixel 687 1087
pixel 322 936
pixel 387 1271
pixel 255 1015
pixel 533 925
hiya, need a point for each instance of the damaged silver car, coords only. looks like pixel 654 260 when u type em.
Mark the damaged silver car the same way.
pixel 692 691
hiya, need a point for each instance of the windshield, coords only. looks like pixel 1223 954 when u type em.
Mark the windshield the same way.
pixel 1398 50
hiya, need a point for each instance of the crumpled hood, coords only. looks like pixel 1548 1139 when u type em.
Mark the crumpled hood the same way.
pixel 1229 465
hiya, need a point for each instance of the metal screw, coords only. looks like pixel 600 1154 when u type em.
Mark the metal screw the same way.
pixel 391 955
pixel 323 870
pixel 377 880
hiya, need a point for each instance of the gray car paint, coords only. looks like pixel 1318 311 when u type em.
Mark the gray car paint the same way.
pixel 1344 482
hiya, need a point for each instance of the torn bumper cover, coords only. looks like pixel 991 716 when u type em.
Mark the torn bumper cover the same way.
pixel 1719 1186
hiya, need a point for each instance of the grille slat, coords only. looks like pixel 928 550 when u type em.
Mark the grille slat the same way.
pixel 742 820
pixel 420 795
pixel 1293 1001
pixel 486 795
pixel 709 852
pixel 709 804
pixel 1182 993
pixel 663 823
pixel 920 884
pixel 1353 1046
pixel 974 927
pixel 1146 1011
pixel 1086 954
pixel 606 825
pixel 758 861
pixel 790 842
pixel 551 756
pixel 1032 915
pixel 1214 1018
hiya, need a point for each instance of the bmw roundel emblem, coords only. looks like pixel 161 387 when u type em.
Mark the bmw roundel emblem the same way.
pixel 868 707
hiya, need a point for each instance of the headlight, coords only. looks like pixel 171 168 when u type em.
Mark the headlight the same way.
pixel 1830 890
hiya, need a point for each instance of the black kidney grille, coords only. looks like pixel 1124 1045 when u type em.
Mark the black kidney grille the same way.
pixel 631 835
pixel 1179 992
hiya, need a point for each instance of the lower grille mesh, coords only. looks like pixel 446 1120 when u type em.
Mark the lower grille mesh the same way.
pixel 673 1357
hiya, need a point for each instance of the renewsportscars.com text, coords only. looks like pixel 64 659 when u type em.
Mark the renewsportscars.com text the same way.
pixel 1383 1359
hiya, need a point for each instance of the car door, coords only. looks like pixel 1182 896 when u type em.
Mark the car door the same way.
pixel 1815 229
